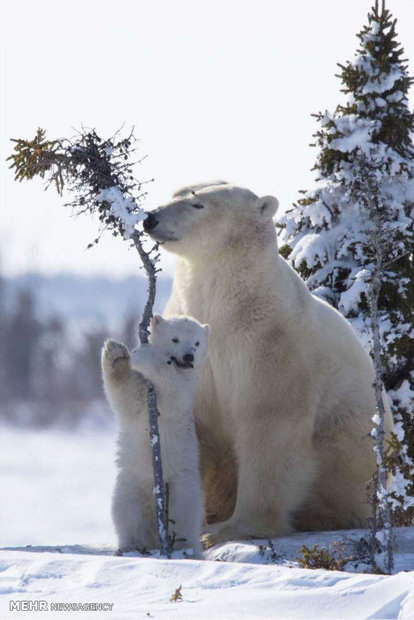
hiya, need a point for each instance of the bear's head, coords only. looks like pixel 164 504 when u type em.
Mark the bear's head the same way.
pixel 213 217
pixel 183 339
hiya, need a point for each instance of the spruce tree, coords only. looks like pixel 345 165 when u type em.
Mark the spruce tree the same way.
pixel 327 235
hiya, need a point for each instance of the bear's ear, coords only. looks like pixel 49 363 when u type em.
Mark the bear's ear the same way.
pixel 267 205
pixel 206 329
pixel 156 320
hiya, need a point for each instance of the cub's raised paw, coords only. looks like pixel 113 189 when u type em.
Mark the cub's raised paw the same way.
pixel 113 352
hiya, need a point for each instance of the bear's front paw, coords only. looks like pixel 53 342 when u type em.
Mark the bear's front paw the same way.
pixel 233 529
pixel 221 532
pixel 207 541
pixel 114 352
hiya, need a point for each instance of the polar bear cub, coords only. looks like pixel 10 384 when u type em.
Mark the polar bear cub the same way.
pixel 172 362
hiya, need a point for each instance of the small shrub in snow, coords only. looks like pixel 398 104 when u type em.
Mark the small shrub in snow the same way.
pixel 333 558
pixel 177 596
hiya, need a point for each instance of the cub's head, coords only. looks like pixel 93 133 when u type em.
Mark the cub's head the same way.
pixel 209 218
pixel 183 340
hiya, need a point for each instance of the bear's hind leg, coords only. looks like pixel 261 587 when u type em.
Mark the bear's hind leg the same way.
pixel 132 514
pixel 339 496
pixel 186 513
pixel 270 488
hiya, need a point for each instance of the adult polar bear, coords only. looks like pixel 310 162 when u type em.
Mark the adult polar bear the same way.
pixel 287 387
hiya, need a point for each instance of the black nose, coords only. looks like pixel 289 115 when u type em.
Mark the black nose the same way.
pixel 150 222
pixel 188 358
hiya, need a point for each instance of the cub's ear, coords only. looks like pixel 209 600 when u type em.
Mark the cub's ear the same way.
pixel 156 320
pixel 206 329
pixel 267 205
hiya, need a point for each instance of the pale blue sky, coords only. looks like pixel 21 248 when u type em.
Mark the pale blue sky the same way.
pixel 215 89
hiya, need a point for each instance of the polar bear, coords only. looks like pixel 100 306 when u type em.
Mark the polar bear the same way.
pixel 285 401
pixel 172 362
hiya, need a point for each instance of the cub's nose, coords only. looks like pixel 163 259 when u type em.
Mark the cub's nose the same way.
pixel 150 222
pixel 188 358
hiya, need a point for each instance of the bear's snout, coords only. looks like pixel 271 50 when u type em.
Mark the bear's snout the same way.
pixel 150 222
pixel 188 358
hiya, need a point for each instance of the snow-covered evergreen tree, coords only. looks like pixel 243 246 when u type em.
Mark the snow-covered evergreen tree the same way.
pixel 327 236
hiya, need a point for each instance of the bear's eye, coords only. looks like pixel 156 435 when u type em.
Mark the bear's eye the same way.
pixel 197 344
pixel 197 206
pixel 175 340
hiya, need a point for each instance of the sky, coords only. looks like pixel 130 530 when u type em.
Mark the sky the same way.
pixel 217 89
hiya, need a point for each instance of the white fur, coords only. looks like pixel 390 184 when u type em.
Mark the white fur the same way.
pixel 287 385
pixel 126 388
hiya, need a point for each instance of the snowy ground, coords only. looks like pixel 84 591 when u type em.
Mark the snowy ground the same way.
pixel 55 491
pixel 58 487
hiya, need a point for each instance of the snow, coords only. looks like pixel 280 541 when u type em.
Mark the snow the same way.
pixel 404 394
pixel 356 134
pixel 376 419
pixel 383 82
pixel 309 248
pixel 42 475
pixel 350 298
pixel 58 488
pixel 141 586
pixel 398 95
pixel 375 28
pixel 122 208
